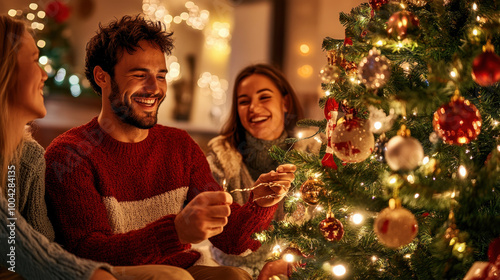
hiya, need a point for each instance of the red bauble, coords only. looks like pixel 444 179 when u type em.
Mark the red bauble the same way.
pixel 347 41
pixel 376 4
pixel 457 122
pixel 331 228
pixel 58 11
pixel 402 23
pixel 486 67
pixel 494 250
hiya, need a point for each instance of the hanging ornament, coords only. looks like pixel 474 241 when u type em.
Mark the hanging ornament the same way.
pixel 380 148
pixel 352 140
pixel 376 4
pixel 403 152
pixel 299 215
pixel 329 74
pixel 347 41
pixel 395 226
pixel 451 232
pixel 58 10
pixel 457 122
pixel 418 3
pixel 486 67
pixel 374 70
pixel 331 228
pixel 331 111
pixel 311 190
pixel 401 24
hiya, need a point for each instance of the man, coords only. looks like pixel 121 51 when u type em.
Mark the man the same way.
pixel 122 189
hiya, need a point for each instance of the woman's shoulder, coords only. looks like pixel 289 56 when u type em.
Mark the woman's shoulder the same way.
pixel 219 143
pixel 32 150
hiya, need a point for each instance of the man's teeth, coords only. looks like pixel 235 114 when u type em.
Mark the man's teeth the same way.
pixel 146 101
pixel 259 119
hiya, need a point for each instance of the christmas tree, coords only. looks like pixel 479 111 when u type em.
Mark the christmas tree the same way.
pixel 48 23
pixel 407 186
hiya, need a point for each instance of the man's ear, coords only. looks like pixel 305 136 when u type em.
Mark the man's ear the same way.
pixel 101 77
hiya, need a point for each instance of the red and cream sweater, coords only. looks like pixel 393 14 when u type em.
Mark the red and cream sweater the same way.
pixel 116 202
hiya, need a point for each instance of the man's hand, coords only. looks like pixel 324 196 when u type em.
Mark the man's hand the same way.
pixel 280 181
pixel 204 216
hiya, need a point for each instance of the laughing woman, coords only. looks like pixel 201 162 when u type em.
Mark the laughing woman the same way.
pixel 264 113
pixel 25 231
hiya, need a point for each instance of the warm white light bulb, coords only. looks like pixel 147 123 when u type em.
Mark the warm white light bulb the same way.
pixel 474 7
pixel 453 74
pixel 462 171
pixel 339 270
pixel 425 160
pixel 288 258
pixel 410 179
pixel 357 219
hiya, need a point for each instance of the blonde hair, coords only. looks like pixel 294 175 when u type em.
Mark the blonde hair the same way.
pixel 11 31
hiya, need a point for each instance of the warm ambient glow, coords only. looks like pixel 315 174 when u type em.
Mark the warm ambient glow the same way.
pixel 305 71
pixel 304 49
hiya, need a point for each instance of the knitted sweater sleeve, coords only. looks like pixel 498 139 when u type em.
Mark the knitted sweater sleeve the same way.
pixel 80 218
pixel 32 255
pixel 244 220
pixel 31 189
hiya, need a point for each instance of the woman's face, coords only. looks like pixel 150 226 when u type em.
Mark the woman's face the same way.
pixel 29 79
pixel 261 107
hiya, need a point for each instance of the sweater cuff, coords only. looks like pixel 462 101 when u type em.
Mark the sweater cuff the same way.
pixel 165 236
pixel 92 267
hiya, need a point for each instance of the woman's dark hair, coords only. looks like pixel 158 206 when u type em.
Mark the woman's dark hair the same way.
pixel 233 130
pixel 107 46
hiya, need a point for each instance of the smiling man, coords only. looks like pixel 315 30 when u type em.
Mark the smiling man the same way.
pixel 124 190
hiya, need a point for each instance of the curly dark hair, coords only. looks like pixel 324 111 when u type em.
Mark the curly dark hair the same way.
pixel 107 46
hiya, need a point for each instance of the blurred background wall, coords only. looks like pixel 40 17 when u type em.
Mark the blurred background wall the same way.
pixel 214 39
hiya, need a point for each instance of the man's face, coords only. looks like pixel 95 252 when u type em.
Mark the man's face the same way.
pixel 139 86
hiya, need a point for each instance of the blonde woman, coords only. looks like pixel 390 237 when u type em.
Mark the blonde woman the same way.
pixel 25 250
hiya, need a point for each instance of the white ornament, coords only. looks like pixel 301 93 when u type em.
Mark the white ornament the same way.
pixel 403 153
pixel 395 227
pixel 352 140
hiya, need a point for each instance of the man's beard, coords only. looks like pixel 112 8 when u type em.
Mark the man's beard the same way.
pixel 126 113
